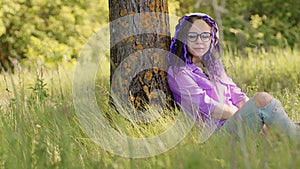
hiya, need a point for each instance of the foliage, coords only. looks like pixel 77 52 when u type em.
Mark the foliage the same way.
pixel 263 23
pixel 255 23
pixel 272 70
pixel 45 32
pixel 39 90
pixel 49 135
pixel 275 71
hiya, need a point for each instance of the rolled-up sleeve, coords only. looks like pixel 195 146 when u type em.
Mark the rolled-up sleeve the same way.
pixel 236 93
pixel 191 96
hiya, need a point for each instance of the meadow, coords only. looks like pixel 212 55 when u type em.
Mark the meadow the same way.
pixel 39 127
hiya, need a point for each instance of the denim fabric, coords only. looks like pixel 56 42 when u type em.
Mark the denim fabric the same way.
pixel 252 118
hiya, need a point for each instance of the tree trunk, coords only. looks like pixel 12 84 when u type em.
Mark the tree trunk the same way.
pixel 139 39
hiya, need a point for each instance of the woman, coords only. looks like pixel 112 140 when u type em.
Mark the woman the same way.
pixel 201 86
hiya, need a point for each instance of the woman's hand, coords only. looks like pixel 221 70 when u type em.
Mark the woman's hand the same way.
pixel 241 103
pixel 224 112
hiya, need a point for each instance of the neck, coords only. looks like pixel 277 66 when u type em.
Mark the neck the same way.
pixel 197 62
pixel 200 64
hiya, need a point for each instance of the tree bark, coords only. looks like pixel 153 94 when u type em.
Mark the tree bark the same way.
pixel 139 36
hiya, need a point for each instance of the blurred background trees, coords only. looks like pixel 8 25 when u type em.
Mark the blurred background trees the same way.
pixel 48 32
pixel 255 23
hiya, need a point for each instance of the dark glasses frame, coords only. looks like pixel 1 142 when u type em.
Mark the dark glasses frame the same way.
pixel 204 36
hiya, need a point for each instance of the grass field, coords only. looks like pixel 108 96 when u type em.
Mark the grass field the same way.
pixel 39 127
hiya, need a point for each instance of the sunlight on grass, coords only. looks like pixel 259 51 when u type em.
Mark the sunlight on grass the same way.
pixel 40 128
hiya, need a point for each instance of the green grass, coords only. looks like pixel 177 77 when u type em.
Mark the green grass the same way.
pixel 39 127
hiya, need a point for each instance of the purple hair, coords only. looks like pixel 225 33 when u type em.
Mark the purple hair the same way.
pixel 179 46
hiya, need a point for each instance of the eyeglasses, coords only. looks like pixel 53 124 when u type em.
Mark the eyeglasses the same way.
pixel 204 36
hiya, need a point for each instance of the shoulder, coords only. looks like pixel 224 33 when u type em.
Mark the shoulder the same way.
pixel 179 72
pixel 187 76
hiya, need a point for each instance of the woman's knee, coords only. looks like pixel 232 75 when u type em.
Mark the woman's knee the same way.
pixel 262 99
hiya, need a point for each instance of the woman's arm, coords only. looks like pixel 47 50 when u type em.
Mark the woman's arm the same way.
pixel 242 102
pixel 222 111
pixel 238 97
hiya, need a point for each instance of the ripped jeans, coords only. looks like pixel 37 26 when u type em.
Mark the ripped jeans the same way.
pixel 252 118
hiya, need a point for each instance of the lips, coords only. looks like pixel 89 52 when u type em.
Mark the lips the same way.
pixel 198 49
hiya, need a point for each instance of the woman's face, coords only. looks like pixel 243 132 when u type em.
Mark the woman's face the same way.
pixel 198 39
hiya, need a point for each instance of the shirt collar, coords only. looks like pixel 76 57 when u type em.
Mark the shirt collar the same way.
pixel 197 70
pixel 193 68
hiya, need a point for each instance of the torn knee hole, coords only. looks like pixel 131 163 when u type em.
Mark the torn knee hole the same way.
pixel 262 99
pixel 278 106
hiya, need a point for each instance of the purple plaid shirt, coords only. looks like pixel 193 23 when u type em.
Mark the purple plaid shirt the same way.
pixel 193 90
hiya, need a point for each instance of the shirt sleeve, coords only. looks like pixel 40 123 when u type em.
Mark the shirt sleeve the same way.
pixel 191 96
pixel 236 93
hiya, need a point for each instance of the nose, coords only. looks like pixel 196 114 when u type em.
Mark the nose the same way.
pixel 199 40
